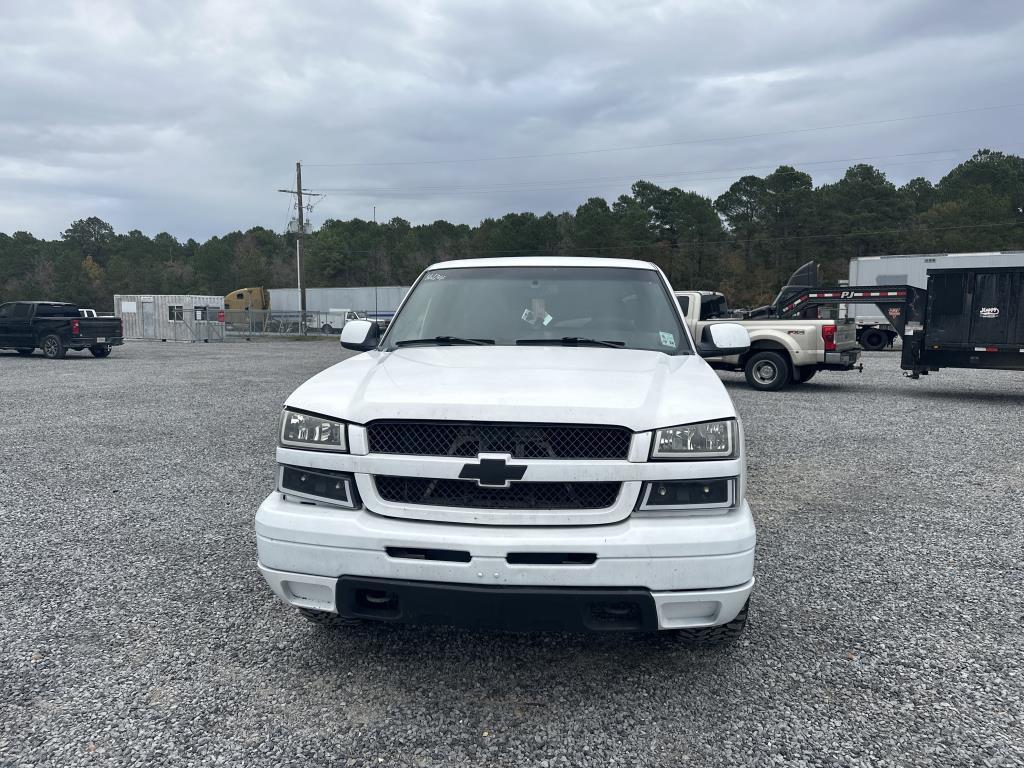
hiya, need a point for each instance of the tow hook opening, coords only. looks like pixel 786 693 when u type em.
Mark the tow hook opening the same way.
pixel 618 615
pixel 377 602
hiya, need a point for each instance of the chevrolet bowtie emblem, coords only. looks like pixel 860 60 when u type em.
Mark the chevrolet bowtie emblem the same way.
pixel 492 470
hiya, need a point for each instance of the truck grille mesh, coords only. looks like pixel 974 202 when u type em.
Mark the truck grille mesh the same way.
pixel 522 441
pixel 466 493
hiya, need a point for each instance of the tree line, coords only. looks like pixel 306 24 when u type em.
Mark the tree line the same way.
pixel 745 242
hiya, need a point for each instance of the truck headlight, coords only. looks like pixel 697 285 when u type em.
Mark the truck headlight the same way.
pixel 303 430
pixel 708 440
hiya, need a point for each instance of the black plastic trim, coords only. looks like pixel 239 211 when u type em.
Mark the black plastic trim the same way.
pixel 442 555
pixel 551 558
pixel 516 609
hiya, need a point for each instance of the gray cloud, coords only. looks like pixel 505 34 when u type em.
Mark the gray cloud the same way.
pixel 187 116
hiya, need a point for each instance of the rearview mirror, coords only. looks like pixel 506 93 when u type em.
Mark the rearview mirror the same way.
pixel 723 339
pixel 360 335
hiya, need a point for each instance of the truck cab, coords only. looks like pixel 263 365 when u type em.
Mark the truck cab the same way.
pixel 533 444
pixel 782 352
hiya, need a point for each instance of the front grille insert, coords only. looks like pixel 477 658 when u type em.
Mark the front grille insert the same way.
pixel 466 493
pixel 522 441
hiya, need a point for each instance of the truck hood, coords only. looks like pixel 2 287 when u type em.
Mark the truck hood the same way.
pixel 575 385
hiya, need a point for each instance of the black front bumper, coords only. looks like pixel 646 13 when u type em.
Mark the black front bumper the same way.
pixel 518 609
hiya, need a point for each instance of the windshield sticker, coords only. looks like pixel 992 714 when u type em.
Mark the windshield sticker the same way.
pixel 667 339
pixel 533 318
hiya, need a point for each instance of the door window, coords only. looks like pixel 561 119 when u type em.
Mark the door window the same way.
pixel 5 311
pixel 21 311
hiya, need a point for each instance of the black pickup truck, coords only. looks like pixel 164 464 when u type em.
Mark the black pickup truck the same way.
pixel 55 327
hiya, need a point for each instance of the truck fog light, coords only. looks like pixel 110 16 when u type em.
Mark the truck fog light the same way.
pixel 337 488
pixel 666 495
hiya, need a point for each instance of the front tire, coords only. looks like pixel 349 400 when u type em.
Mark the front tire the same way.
pixel 100 350
pixel 53 347
pixel 723 633
pixel 26 351
pixel 328 619
pixel 767 371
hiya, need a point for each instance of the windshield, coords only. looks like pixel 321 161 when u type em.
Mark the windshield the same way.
pixel 574 306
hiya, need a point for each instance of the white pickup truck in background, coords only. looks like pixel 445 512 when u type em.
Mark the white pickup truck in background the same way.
pixel 782 352
pixel 334 320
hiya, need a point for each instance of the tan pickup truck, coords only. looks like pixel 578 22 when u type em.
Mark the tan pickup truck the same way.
pixel 782 352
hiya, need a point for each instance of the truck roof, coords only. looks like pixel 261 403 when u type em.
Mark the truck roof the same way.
pixel 544 261
pixel 48 303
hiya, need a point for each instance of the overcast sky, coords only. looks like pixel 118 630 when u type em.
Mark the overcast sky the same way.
pixel 187 117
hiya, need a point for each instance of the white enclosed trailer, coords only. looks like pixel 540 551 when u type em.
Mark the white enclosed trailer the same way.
pixel 384 298
pixel 873 330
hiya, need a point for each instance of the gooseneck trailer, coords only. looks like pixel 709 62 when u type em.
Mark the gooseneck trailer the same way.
pixel 970 317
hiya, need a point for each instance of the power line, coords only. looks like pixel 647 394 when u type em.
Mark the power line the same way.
pixel 557 184
pixel 681 142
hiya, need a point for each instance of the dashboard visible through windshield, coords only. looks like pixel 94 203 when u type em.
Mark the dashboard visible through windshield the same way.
pixel 610 307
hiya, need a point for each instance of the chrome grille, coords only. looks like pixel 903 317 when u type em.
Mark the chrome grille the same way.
pixel 522 441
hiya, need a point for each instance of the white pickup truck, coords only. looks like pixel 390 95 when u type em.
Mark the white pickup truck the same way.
pixel 533 444
pixel 782 352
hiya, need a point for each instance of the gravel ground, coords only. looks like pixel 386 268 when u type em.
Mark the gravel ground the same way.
pixel 887 627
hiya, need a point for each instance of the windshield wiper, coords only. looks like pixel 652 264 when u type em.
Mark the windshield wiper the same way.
pixel 440 341
pixel 574 341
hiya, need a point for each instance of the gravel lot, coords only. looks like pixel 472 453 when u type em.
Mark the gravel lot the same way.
pixel 888 627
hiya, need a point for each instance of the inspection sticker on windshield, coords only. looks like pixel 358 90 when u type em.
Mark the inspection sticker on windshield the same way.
pixel 667 339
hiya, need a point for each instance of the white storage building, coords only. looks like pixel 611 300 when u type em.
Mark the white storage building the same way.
pixel 171 317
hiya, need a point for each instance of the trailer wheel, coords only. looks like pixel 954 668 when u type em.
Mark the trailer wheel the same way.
pixel 767 371
pixel 328 619
pixel 873 340
pixel 53 347
pixel 100 350
pixel 724 633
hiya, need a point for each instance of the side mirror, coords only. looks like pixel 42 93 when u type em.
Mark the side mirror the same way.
pixel 723 339
pixel 360 335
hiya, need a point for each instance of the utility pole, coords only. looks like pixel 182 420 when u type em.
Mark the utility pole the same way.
pixel 299 236
pixel 298 249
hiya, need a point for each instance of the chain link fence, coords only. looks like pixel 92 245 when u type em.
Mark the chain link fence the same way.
pixel 269 322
